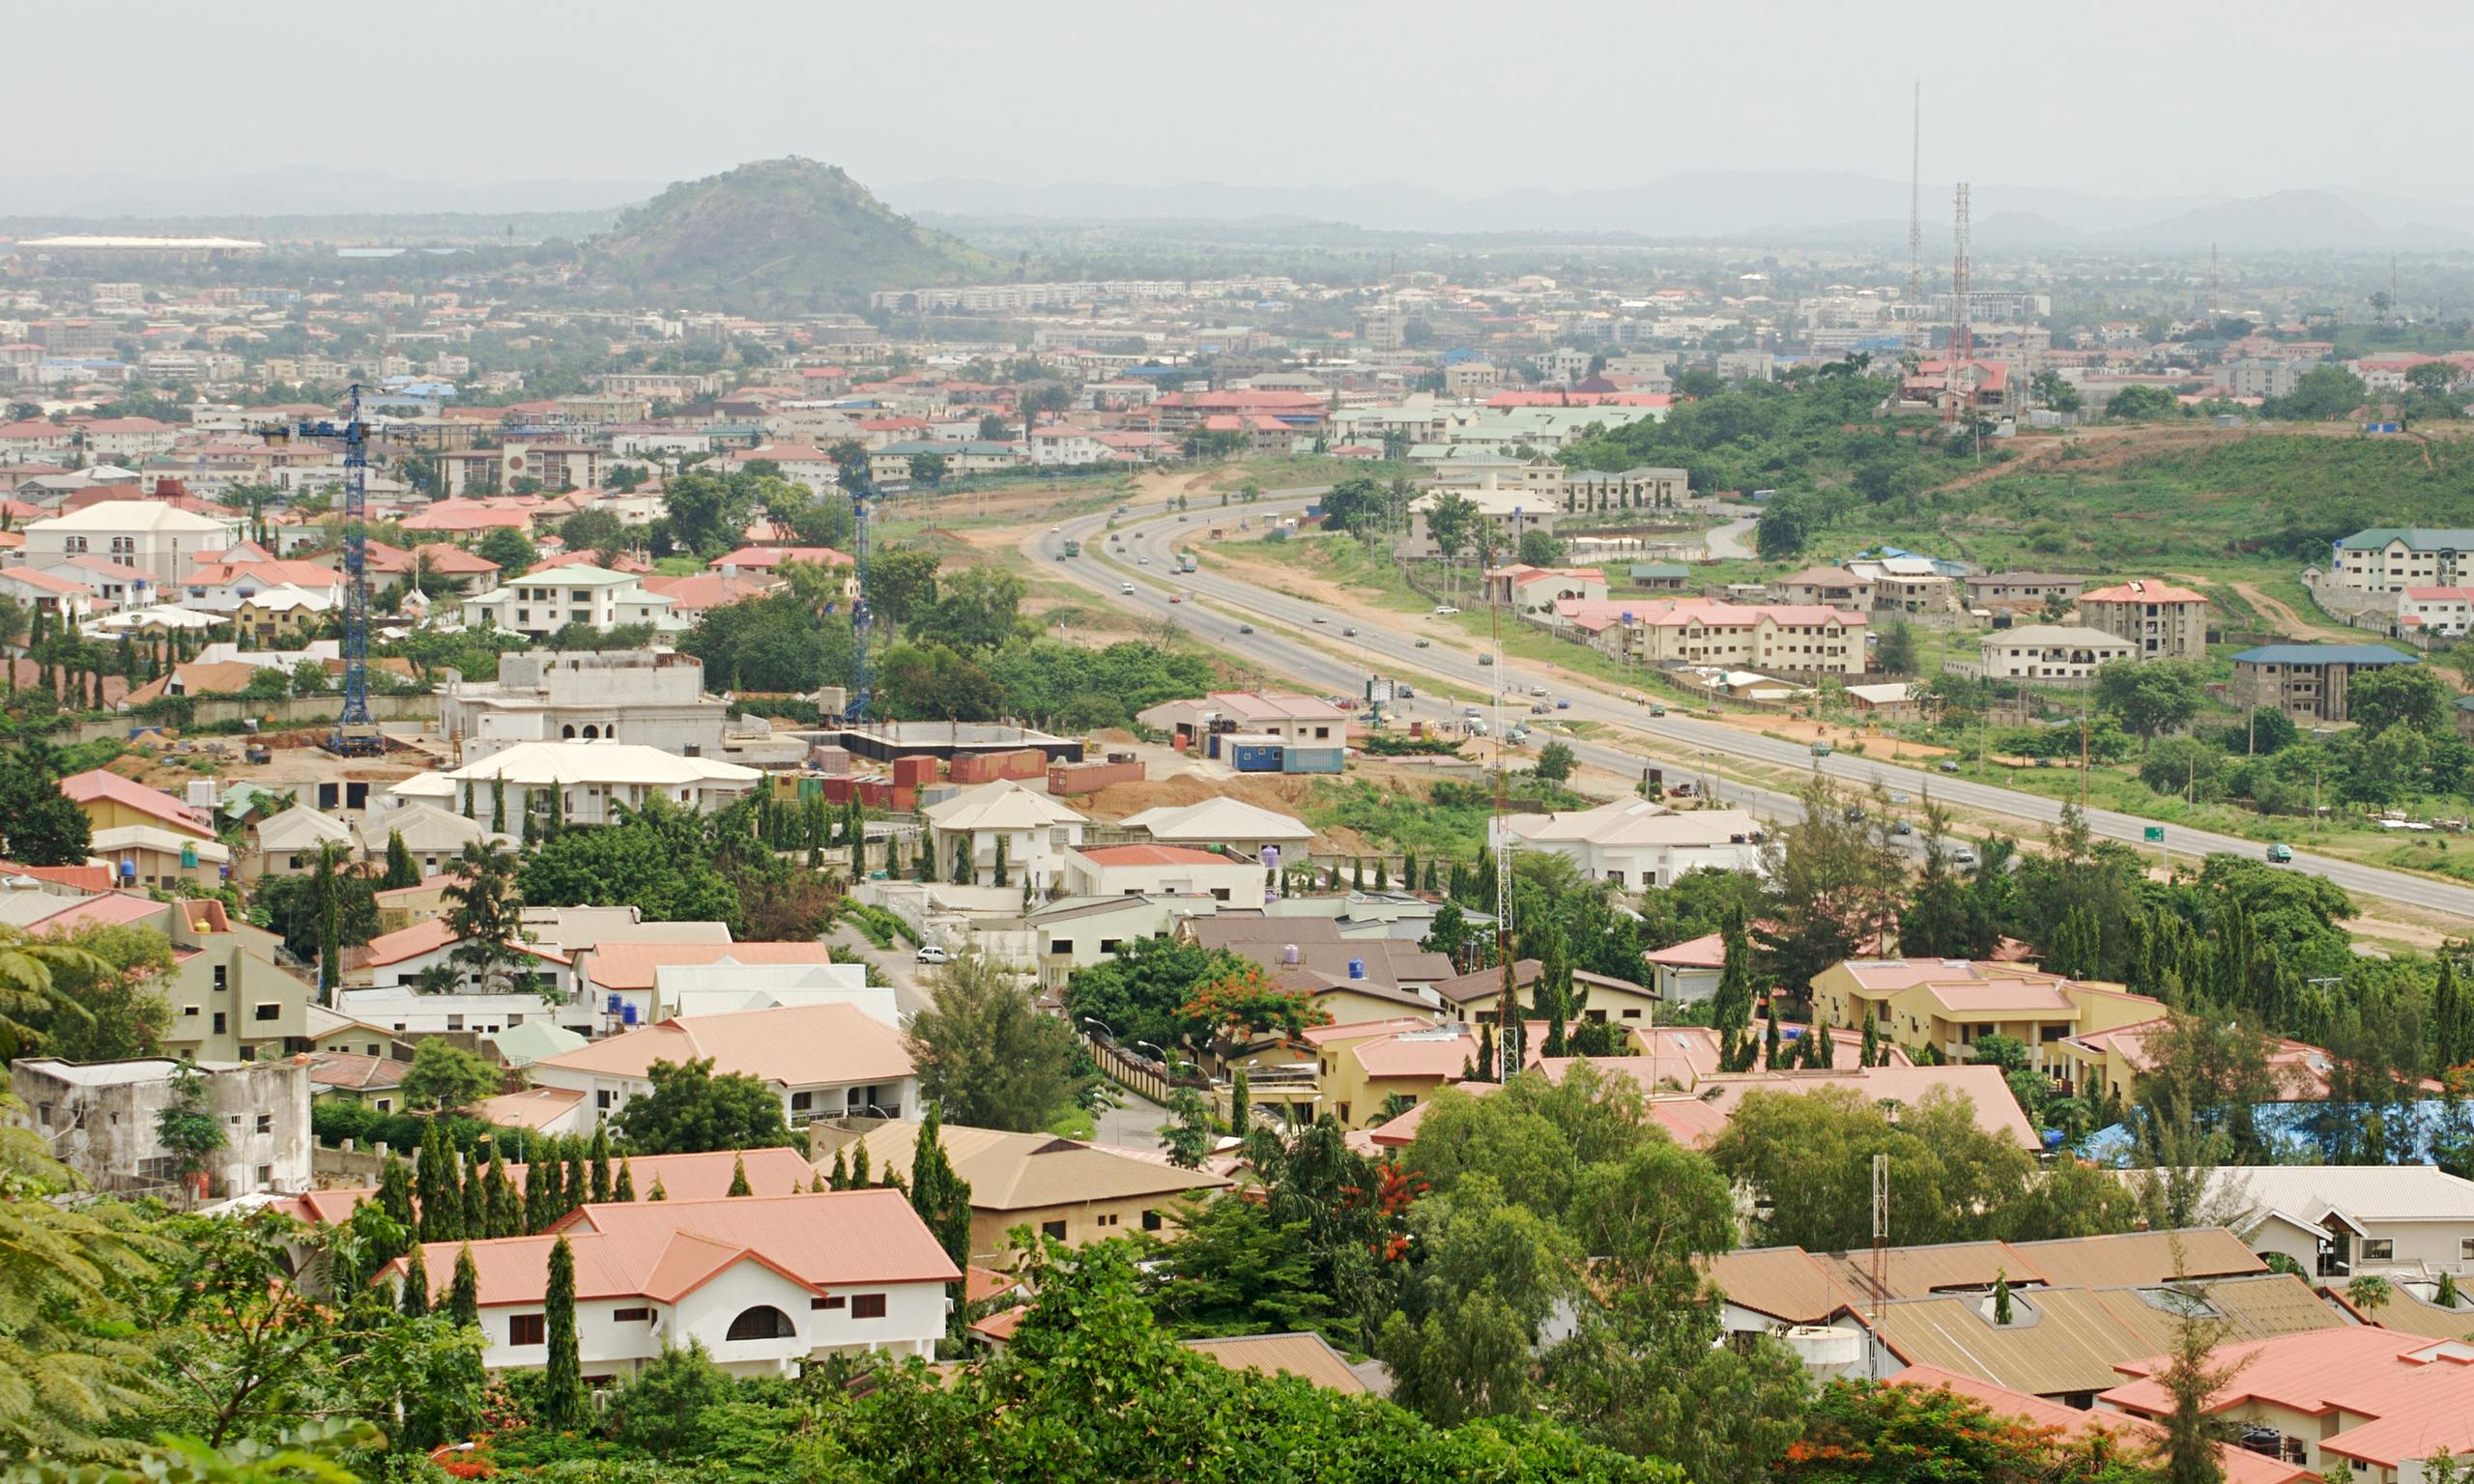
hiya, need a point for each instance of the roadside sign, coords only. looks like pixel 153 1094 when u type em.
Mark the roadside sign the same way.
pixel 2154 834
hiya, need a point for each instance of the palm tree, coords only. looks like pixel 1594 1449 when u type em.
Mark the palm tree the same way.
pixel 2368 1293
pixel 28 983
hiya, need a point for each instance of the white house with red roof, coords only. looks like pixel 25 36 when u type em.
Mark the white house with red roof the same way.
pixel 2443 613
pixel 2158 620
pixel 153 535
pixel 764 1282
pixel 47 592
pixel 821 1061
pixel 1163 871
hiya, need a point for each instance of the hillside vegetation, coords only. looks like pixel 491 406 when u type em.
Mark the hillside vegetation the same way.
pixel 778 232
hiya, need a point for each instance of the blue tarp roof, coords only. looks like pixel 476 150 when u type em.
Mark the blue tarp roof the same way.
pixel 2322 654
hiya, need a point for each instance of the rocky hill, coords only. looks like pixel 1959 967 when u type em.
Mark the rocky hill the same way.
pixel 780 233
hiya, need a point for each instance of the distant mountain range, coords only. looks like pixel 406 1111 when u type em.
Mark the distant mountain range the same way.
pixel 1777 207
pixel 308 191
pixel 1768 206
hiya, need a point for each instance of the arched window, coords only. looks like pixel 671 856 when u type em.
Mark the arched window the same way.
pixel 568 730
pixel 762 1322
pixel 590 733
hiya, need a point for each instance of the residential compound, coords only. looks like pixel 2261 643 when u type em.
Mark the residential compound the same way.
pixel 1946 1006
pixel 2390 559
pixel 1795 639
pixel 2158 620
pixel 2307 682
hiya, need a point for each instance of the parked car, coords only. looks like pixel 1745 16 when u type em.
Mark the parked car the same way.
pixel 930 952
pixel 1821 749
pixel 1538 689
pixel 1902 827
pixel 1245 628
pixel 1445 610
pixel 1539 708
pixel 1657 710
pixel 1403 692
pixel 1962 855
pixel 1947 765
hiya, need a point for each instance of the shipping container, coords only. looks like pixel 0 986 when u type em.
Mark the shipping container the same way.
pixel 915 770
pixel 1092 777
pixel 1255 757
pixel 1028 764
pixel 1300 758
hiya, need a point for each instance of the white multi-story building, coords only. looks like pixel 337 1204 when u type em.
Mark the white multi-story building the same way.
pixel 1636 844
pixel 542 604
pixel 2391 558
pixel 821 1060
pixel 1036 833
pixel 650 696
pixel 2050 651
pixel 162 540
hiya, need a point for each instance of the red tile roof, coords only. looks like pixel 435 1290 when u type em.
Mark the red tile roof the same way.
pixel 99 784
pixel 1156 855
pixel 2142 592
pixel 827 1241
pixel 794 1045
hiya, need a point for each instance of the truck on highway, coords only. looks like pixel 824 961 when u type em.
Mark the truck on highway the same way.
pixel 1186 561
pixel 1072 549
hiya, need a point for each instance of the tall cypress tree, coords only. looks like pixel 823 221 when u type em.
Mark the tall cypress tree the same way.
pixel 578 1185
pixel 540 1193
pixel 414 1301
pixel 1769 1042
pixel 1485 1053
pixel 940 1197
pixel 464 1296
pixel 738 1178
pixel 841 1177
pixel 1871 1055
pixel 505 1204
pixel 859 1167
pixel 564 1403
pixel 401 869
pixel 2450 1046
pixel 1731 1004
pixel 395 1199
pixel 624 1188
pixel 658 1193
pixel 442 1198
pixel 498 803
pixel 1825 1046
pixel 477 1199
pixel 602 1163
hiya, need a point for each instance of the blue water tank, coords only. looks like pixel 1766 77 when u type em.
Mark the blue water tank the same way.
pixel 618 1002
pixel 1357 968
pixel 626 1014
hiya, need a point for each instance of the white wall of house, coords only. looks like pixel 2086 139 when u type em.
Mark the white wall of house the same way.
pixel 612 1347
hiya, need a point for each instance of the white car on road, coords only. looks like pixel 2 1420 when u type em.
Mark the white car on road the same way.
pixel 1445 610
pixel 930 952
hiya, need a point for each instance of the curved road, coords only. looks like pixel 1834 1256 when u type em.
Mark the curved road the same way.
pixel 1386 644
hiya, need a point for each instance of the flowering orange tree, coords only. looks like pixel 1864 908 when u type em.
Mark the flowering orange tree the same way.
pixel 1242 1003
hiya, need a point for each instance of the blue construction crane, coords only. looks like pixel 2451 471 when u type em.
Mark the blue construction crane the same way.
pixel 355 731
pixel 857 707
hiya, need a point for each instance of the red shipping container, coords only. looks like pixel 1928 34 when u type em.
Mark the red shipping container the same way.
pixel 906 798
pixel 915 770
pixel 1029 762
pixel 973 768
pixel 1091 777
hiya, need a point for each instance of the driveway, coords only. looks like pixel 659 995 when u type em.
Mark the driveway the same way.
pixel 909 995
pixel 1136 1125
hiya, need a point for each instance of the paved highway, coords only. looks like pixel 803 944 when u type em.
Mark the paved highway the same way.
pixel 1387 643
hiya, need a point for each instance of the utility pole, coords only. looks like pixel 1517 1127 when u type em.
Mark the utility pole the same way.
pixel 1915 202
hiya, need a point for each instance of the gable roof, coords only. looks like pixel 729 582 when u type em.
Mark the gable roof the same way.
pixel 794 1045
pixel 664 1251
pixel 2324 654
pixel 102 786
pixel 1030 1171
pixel 1216 819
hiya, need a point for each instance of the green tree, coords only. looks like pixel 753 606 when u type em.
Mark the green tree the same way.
pixel 1784 529
pixel 464 1294
pixel 402 869
pixel 447 1077
pixel 928 467
pixel 39 825
pixel 2151 697
pixel 2390 695
pixel 940 1196
pixel 188 1132
pixel 510 549
pixel 691 1111
pixel 1555 762
pixel 562 1405
pixel 987 1057
pixel 662 1410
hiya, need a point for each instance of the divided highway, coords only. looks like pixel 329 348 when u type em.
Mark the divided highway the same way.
pixel 1386 644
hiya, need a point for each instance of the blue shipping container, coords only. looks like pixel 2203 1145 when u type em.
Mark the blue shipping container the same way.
pixel 1312 760
pixel 1257 756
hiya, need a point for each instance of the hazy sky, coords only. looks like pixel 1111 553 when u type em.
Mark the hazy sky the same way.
pixel 2158 97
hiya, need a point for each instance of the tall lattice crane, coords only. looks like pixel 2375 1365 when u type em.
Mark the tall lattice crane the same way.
pixel 355 731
